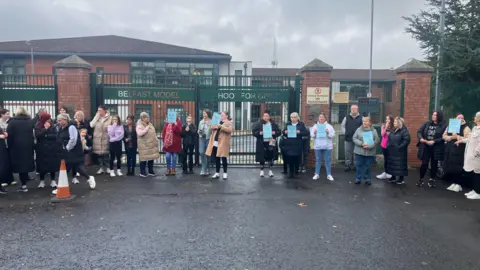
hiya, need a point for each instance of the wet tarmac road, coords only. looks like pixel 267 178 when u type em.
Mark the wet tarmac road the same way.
pixel 188 222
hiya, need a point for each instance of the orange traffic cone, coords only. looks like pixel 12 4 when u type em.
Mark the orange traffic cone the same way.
pixel 63 189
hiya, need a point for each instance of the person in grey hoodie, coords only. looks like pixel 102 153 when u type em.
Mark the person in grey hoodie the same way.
pixel 366 140
pixel 349 125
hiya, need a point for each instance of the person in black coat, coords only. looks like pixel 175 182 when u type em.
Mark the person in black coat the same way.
pixel 431 146
pixel 47 152
pixel 189 138
pixel 266 149
pixel 293 147
pixel 130 140
pixel 397 147
pixel 6 176
pixel 21 146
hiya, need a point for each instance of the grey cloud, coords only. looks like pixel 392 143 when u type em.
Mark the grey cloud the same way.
pixel 334 31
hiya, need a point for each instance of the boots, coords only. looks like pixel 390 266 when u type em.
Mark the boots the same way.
pixel 431 183
pixel 169 172
pixel 420 183
pixel 173 172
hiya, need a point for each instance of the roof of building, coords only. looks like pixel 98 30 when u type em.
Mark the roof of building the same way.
pixel 109 45
pixel 352 75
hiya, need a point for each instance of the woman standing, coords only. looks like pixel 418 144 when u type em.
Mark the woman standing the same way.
pixel 293 146
pixel 20 144
pixel 366 140
pixel 323 145
pixel 455 153
pixel 189 135
pixel 431 147
pixel 386 129
pixel 219 145
pixel 472 159
pixel 4 118
pixel 147 144
pixel 101 140
pixel 204 133
pixel 130 139
pixel 172 144
pixel 47 158
pixel 266 149
pixel 71 148
pixel 5 173
pixel 397 148
pixel 116 133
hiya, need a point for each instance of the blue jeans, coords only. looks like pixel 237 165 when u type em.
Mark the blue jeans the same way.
pixel 171 160
pixel 363 164
pixel 202 148
pixel 327 157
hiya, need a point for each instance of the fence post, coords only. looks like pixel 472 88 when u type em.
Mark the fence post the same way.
pixel 296 99
pixel 197 117
pixel 402 98
pixel 55 87
pixel 93 95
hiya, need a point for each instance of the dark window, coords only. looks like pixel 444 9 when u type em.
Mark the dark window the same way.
pixel 387 92
pixel 112 109
pixel 238 115
pixel 139 108
pixel 100 71
pixel 238 77
pixel 14 67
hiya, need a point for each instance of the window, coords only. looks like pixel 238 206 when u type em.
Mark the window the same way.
pixel 139 108
pixel 387 92
pixel 14 67
pixel 161 72
pixel 100 71
pixel 142 72
pixel 238 78
pixel 112 109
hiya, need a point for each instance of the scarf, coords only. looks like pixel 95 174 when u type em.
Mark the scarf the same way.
pixel 169 136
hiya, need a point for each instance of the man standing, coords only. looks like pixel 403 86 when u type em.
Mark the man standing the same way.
pixel 350 124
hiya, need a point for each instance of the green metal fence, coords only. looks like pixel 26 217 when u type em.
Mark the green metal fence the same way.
pixel 30 91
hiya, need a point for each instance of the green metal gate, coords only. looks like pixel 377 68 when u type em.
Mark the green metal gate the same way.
pixel 30 91
pixel 244 97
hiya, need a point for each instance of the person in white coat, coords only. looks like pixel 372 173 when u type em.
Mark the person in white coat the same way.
pixel 472 159
pixel 323 134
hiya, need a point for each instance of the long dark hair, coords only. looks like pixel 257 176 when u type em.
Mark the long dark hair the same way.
pixel 208 112
pixel 439 116
pixel 228 115
pixel 390 126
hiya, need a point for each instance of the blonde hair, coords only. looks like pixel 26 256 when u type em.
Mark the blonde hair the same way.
pixel 63 116
pixel 294 114
pixel 81 114
pixel 21 111
pixel 399 121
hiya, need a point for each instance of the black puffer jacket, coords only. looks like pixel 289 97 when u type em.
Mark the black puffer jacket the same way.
pixel 259 144
pixel 20 144
pixel 397 147
pixel 294 146
pixel 189 137
pixel 47 150
pixel 454 155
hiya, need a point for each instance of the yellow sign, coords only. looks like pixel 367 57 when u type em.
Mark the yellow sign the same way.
pixel 318 95
pixel 340 97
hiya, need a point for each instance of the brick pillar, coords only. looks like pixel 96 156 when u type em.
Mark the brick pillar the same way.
pixel 73 83
pixel 418 77
pixel 316 79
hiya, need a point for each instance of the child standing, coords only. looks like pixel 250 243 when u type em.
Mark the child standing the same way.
pixel 116 134
pixel 172 144
pixel 86 151
pixel 130 139
pixel 189 135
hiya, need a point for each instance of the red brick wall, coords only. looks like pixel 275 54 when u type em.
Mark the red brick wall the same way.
pixel 44 65
pixel 417 100
pixel 309 113
pixel 74 88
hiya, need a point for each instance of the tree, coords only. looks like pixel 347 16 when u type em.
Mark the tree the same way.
pixel 460 66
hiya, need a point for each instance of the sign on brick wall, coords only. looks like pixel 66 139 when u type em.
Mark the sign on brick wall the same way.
pixel 318 95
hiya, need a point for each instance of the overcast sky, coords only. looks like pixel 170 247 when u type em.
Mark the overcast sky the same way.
pixel 337 32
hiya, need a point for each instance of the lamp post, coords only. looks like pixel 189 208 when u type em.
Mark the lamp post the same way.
pixel 32 61
pixel 371 52
pixel 440 52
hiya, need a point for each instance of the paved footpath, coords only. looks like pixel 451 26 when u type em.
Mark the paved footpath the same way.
pixel 190 222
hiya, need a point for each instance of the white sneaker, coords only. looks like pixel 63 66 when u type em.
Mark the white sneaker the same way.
pixel 4 185
pixel 270 173
pixel 202 173
pixel 451 187
pixel 53 184
pixel 382 176
pixel 108 170
pixel 330 177
pixel 315 177
pixel 474 196
pixel 100 171
pixel 456 188
pixel 112 173
pixel 91 182
pixel 75 181
pixel 225 176
pixel 119 172
pixel 54 192
pixel 261 173
pixel 470 193
pixel 78 175
pixel 42 184
pixel 215 176
pixel 388 176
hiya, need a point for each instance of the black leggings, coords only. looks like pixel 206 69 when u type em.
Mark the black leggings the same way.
pixel 23 178
pixel 52 176
pixel 188 156
pixel 267 156
pixel 385 159
pixel 292 162
pixel 217 161
pixel 116 152
pixel 429 157
pixel 80 168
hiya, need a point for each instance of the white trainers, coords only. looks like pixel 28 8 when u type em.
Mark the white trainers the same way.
pixel 54 192
pixel 4 185
pixel 108 170
pixel 388 176
pixel 112 173
pixel 91 182
pixel 100 171
pixel 42 184
pixel 202 173
pixel 330 177
pixel 451 187
pixel 75 181
pixel 261 173
pixel 315 177
pixel 270 173
pixel 53 184
pixel 225 176
pixel 457 188
pixel 78 175
pixel 382 176
pixel 215 176
pixel 474 196
pixel 119 172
